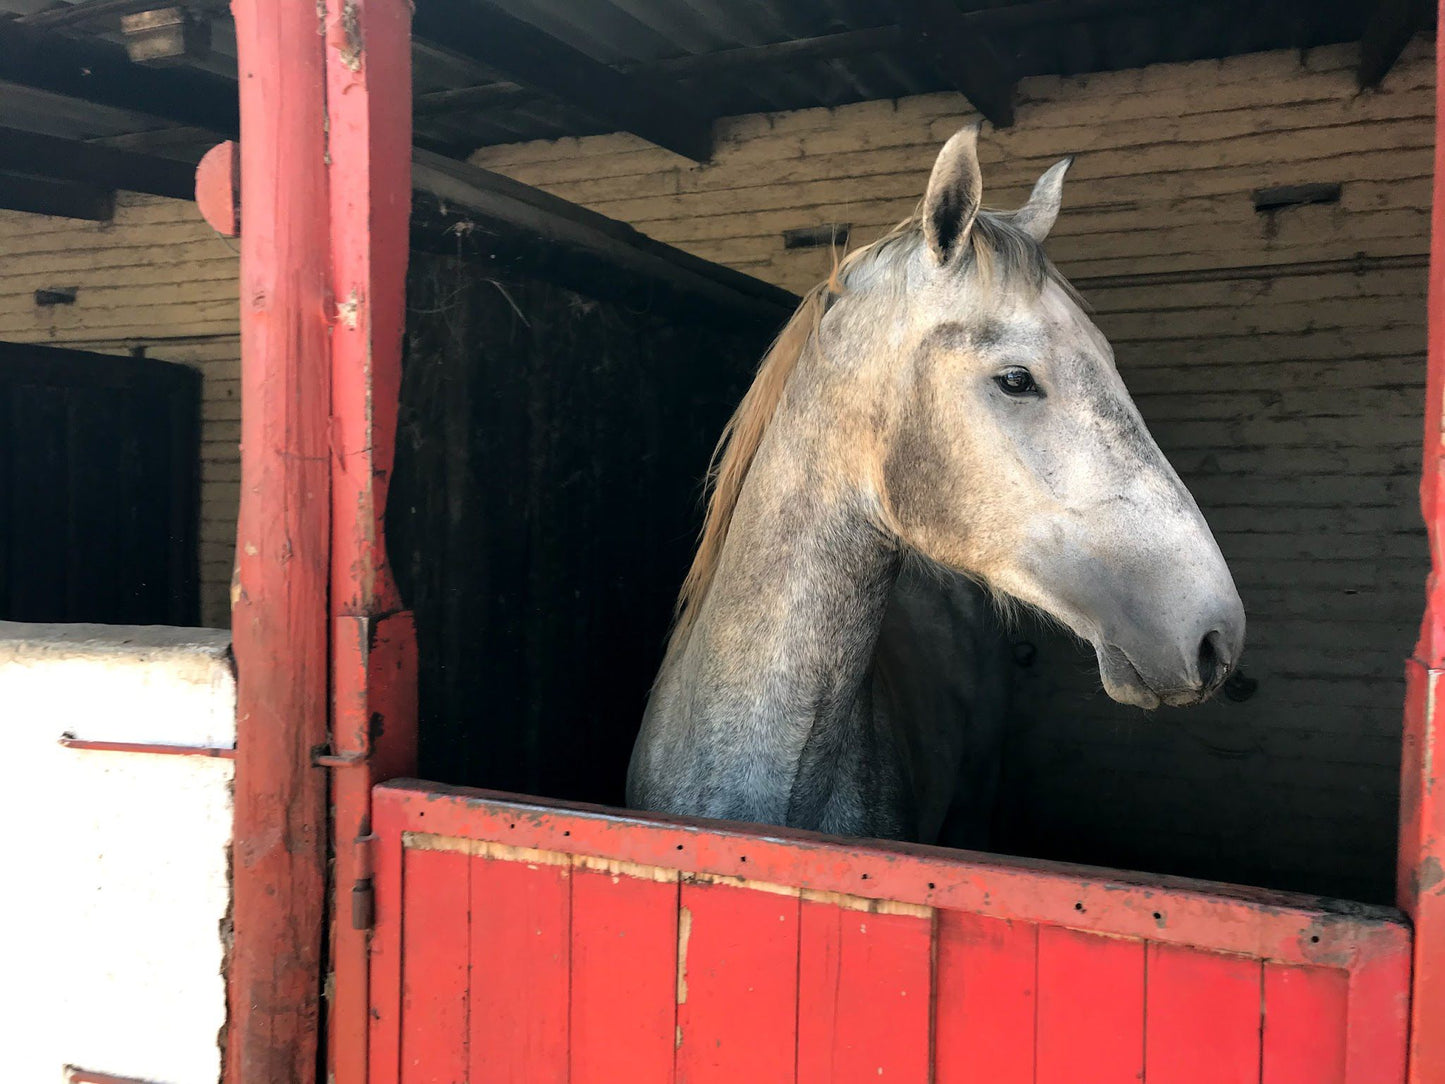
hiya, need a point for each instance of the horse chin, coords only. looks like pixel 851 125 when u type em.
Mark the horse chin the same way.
pixel 1122 680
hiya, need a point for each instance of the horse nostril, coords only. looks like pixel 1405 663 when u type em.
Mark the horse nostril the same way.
pixel 1212 668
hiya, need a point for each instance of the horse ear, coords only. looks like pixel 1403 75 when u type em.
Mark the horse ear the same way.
pixel 955 190
pixel 1036 217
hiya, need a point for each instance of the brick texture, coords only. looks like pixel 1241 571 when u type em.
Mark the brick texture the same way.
pixel 155 277
pixel 1291 404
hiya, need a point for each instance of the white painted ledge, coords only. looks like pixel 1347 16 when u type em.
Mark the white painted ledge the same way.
pixel 116 891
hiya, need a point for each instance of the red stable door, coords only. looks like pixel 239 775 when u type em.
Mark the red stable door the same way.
pixel 526 942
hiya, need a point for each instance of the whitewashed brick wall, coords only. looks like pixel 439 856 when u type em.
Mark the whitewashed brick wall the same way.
pixel 1290 403
pixel 155 277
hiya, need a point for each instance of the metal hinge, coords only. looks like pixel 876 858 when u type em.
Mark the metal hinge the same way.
pixel 324 758
pixel 363 904
pixel 363 889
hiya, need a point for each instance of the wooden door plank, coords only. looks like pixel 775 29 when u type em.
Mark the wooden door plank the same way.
pixel 434 967
pixel 737 984
pixel 864 991
pixel 383 1045
pixel 1377 1026
pixel 985 1005
pixel 623 1014
pixel 1304 1024
pixel 1203 1013
pixel 1091 1008
pixel 521 948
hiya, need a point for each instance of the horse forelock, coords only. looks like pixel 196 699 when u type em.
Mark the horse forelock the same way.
pixel 998 253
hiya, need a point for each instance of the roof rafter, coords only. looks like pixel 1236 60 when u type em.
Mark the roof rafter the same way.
pixel 85 12
pixel 92 164
pixel 1391 25
pixel 63 199
pixel 964 56
pixel 98 72
pixel 734 61
pixel 535 59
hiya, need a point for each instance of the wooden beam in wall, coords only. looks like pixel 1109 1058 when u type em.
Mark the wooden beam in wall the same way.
pixel 534 59
pixel 95 71
pixel 964 56
pixel 91 164
pixel 1391 25
pixel 62 199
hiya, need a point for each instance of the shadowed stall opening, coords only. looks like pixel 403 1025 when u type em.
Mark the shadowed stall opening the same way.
pixel 556 423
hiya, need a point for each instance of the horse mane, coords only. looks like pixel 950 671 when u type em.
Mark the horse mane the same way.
pixel 997 247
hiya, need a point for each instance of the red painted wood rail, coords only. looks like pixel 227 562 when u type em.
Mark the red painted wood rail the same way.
pixel 1421 887
pixel 279 599
pixel 373 642
pixel 326 659
pixel 521 941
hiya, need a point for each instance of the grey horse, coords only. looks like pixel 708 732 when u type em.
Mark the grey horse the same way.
pixel 941 413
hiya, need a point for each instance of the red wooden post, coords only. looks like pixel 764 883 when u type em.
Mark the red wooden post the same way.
pixel 279 599
pixel 1421 888
pixel 373 653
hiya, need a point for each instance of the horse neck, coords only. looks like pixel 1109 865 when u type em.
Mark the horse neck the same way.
pixel 785 637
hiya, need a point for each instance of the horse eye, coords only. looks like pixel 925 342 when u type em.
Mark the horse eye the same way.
pixel 1016 381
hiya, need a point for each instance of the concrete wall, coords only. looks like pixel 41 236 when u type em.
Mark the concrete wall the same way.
pixel 117 879
pixel 155 278
pixel 1289 401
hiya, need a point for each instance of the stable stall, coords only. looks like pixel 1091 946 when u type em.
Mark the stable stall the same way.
pixel 474 417
pixel 529 940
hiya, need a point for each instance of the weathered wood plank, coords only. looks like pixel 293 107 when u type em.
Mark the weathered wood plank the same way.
pixel 624 974
pixel 521 951
pixel 986 999
pixel 737 982
pixel 436 901
pixel 1203 1011
pixel 864 992
pixel 1091 1006
pixel 279 619
pixel 1304 1025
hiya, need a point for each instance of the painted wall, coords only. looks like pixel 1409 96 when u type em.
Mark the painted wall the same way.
pixel 117 886
pixel 1290 402
pixel 158 279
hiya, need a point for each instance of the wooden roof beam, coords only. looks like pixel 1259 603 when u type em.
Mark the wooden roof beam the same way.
pixel 1389 28
pixel 964 56
pixel 85 12
pixel 534 59
pixel 741 60
pixel 62 199
pixel 98 72
pixel 90 163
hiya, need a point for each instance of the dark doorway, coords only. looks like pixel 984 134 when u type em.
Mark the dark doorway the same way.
pixel 98 488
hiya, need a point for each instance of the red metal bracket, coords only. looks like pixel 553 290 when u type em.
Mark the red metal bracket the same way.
pixel 87 1076
pixel 222 752
pixel 341 760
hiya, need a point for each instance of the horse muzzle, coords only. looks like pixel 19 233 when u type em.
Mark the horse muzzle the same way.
pixel 1153 671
